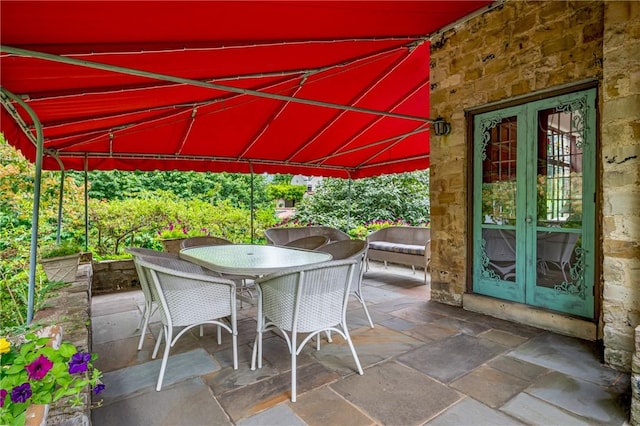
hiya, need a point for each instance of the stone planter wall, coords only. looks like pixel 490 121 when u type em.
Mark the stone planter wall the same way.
pixel 114 275
pixel 70 308
pixel 172 245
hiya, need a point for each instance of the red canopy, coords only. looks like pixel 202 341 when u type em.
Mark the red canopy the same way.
pixel 332 88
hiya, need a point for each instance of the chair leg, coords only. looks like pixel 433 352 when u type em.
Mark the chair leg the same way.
pixel 353 349
pixel 165 358
pixel 234 349
pixel 257 351
pixel 364 305
pixel 294 350
pixel 144 312
pixel 145 323
pixel 155 349
pixel 564 274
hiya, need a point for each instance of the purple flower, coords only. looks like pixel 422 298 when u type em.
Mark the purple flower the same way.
pixel 79 362
pixel 3 395
pixel 21 393
pixel 39 368
pixel 99 388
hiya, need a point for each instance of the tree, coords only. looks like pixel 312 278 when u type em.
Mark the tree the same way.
pixel 16 208
pixel 212 187
pixel 344 204
pixel 286 191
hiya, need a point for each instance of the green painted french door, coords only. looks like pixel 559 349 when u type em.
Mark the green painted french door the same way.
pixel 534 203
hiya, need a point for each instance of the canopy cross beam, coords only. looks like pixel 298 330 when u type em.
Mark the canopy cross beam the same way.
pixel 198 83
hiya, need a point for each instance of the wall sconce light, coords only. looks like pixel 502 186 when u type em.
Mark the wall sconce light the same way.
pixel 441 127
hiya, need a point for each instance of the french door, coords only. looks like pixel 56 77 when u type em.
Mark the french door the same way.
pixel 534 203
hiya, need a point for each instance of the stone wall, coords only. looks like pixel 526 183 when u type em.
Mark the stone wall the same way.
pixel 114 275
pixel 635 382
pixel 621 181
pixel 512 50
pixel 70 309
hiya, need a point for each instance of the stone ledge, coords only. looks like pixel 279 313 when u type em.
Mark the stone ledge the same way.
pixel 70 308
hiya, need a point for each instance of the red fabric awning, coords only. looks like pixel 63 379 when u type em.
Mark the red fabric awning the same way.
pixel 331 88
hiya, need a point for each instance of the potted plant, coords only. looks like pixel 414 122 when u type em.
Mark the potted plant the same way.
pixel 38 371
pixel 60 261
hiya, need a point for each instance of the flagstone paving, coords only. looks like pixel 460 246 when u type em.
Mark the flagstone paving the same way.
pixel 424 363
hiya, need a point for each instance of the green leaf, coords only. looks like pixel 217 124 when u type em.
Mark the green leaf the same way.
pixel 16 368
pixel 67 350
pixel 26 348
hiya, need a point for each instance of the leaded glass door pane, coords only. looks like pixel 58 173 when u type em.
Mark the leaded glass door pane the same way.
pixel 497 162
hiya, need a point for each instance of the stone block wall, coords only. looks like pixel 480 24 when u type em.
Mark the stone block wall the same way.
pixel 114 275
pixel 515 49
pixel 70 309
pixel 620 162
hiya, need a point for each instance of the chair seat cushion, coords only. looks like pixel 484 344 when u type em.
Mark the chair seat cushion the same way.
pixel 397 247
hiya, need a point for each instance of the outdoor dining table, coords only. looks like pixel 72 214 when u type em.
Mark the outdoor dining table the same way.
pixel 251 259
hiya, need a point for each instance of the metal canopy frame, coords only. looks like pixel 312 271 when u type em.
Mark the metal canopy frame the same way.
pixel 376 144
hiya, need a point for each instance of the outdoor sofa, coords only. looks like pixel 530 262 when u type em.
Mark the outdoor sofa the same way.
pixel 404 245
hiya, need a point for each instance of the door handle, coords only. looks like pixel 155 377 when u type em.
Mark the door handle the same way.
pixel 529 220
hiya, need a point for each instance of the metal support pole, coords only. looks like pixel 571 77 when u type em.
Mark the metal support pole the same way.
pixel 349 206
pixel 86 203
pixel 251 206
pixel 39 143
pixel 60 198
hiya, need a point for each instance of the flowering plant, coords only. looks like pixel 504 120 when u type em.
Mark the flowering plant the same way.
pixel 180 230
pixel 34 372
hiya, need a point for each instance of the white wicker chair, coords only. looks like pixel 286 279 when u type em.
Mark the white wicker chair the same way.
pixel 351 249
pixel 188 297
pixel 150 304
pixel 310 299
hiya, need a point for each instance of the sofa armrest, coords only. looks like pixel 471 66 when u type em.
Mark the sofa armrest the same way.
pixel 427 256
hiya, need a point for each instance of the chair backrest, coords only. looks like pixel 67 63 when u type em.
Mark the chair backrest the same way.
pixel 310 243
pixel 499 245
pixel 187 294
pixel 307 298
pixel 138 252
pixel 557 246
pixel 349 249
pixel 345 249
pixel 413 235
pixel 204 240
pixel 281 236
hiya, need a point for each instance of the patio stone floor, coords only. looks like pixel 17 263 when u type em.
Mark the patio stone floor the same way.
pixel 424 363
